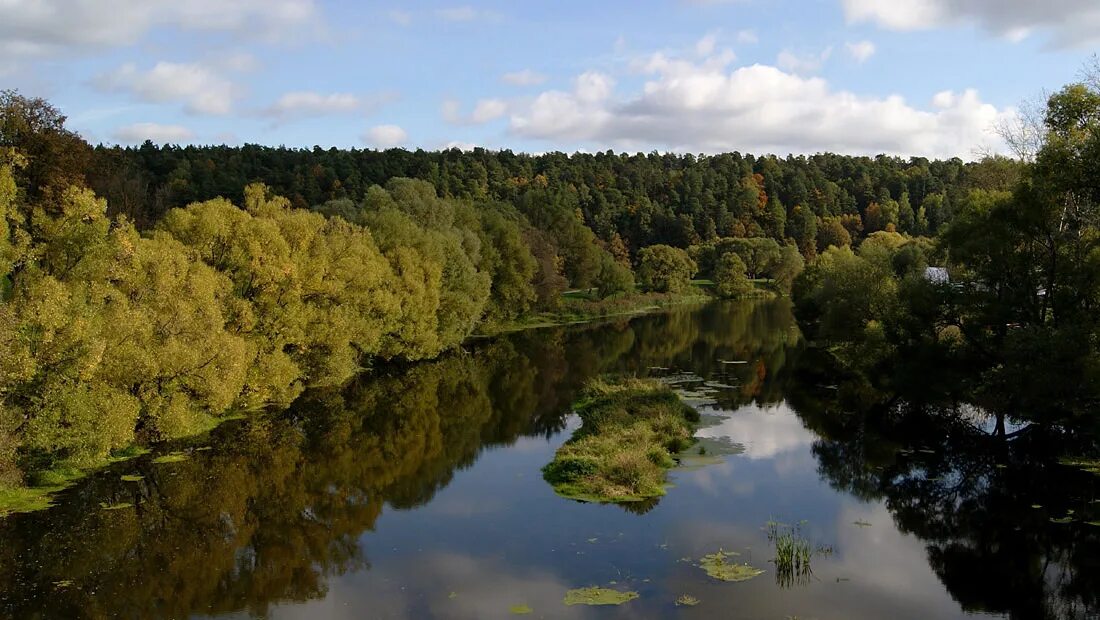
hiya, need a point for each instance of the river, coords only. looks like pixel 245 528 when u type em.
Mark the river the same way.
pixel 417 493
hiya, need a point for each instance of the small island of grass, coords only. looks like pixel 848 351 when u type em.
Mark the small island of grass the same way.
pixel 629 433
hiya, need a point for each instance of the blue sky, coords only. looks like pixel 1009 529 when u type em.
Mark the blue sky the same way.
pixel 909 77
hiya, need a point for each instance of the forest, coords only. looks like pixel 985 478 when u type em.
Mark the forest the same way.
pixel 148 292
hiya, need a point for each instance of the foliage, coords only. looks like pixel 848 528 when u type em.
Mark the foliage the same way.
pixel 730 280
pixel 665 269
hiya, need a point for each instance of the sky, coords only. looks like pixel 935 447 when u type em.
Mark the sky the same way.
pixel 927 78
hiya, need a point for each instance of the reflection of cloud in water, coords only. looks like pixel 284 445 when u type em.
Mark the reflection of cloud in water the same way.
pixel 888 570
pixel 765 432
pixel 481 587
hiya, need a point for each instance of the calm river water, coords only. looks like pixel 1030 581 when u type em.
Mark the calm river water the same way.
pixel 418 494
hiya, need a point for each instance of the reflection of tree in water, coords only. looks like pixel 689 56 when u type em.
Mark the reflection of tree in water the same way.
pixel 981 501
pixel 278 504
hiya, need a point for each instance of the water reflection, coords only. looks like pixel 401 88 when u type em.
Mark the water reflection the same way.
pixel 416 493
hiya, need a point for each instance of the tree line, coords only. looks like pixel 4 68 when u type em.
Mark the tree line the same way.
pixel 1016 326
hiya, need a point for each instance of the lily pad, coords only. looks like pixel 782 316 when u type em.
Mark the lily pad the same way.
pixel 598 596
pixel 132 478
pixel 717 567
pixel 520 610
pixel 174 457
pixel 118 506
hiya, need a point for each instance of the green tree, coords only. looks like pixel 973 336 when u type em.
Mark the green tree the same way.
pixel 665 269
pixel 614 277
pixel 730 280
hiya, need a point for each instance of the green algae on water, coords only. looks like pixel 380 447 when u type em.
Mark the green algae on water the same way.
pixel 172 457
pixel 520 610
pixel 598 596
pixel 686 600
pixel 717 566
pixel 131 478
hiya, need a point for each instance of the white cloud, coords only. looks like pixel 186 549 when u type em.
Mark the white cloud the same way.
pixel 385 136
pixel 803 63
pixel 488 109
pixel 301 104
pixel 41 27
pixel 707 106
pixel 592 86
pixel 485 110
pixel 706 45
pixel 526 77
pixel 860 51
pixel 201 90
pixel 140 132
pixel 1069 23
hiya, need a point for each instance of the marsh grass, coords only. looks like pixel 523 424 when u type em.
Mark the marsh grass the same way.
pixel 630 430
pixel 793 553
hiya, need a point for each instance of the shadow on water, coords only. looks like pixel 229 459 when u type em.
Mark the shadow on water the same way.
pixel 274 508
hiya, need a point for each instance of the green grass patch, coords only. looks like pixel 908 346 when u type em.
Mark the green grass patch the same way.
pixel 630 430
pixel 22 499
pixel 598 596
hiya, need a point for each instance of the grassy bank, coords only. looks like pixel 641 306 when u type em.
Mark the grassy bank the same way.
pixel 629 433
pixel 584 305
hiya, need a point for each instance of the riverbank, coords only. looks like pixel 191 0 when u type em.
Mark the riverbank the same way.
pixel 630 431
pixel 581 306
pixel 576 307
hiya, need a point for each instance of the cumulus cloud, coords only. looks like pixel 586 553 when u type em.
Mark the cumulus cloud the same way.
pixel 708 106
pixel 201 90
pixel 140 132
pixel 1070 23
pixel 526 77
pixel 385 136
pixel 41 27
pixel 861 51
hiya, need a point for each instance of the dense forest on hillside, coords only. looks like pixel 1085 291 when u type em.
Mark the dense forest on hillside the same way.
pixel 644 199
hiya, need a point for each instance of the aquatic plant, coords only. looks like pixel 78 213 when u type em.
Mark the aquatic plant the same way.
pixel 717 566
pixel 687 600
pixel 629 433
pixel 520 610
pixel 174 457
pixel 793 553
pixel 598 596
